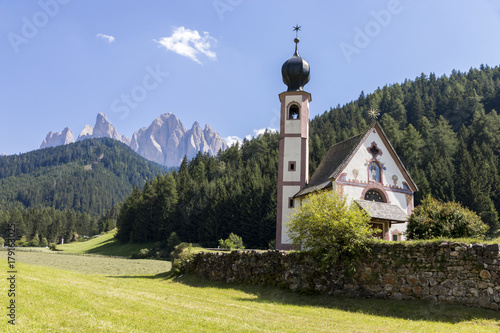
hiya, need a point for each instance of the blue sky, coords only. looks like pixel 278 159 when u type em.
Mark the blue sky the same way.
pixel 217 61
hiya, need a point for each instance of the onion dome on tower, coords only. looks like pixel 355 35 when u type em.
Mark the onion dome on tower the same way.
pixel 295 70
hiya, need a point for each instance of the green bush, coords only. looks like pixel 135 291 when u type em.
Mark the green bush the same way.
pixel 142 254
pixel 181 254
pixel 233 242
pixel 332 229
pixel 53 246
pixel 433 219
pixel 2 242
pixel 35 241
pixel 22 242
pixel 44 242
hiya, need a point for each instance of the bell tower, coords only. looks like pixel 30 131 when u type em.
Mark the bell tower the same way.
pixel 293 167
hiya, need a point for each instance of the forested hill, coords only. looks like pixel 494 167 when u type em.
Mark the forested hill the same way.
pixel 444 129
pixel 89 176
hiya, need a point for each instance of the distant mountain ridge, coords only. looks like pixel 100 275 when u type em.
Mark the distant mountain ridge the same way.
pixel 165 141
pixel 89 176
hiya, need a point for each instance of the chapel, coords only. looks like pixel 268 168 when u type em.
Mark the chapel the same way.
pixel 365 168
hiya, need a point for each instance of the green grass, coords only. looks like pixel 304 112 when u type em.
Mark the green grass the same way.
pixel 56 300
pixel 106 245
pixel 92 264
pixel 496 237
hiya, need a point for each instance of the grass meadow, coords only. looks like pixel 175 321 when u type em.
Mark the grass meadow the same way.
pixel 105 244
pixel 70 293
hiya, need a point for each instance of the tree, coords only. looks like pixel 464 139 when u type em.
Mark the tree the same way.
pixel 332 228
pixel 433 219
pixel 411 147
pixel 172 241
pixel 477 182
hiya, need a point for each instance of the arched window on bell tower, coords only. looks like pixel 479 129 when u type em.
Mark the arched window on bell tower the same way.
pixel 293 112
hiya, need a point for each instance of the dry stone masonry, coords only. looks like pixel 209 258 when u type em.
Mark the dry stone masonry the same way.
pixel 434 272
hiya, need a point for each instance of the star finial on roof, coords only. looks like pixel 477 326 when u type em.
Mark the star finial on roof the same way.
pixel 296 29
pixel 373 113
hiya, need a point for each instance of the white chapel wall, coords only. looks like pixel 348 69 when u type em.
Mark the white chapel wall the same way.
pixel 292 154
pixel 288 192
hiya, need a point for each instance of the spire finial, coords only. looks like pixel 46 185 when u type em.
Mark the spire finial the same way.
pixel 296 40
pixel 296 29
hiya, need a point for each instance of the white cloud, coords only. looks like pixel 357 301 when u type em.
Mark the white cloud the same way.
pixel 258 132
pixel 231 140
pixel 189 43
pixel 109 39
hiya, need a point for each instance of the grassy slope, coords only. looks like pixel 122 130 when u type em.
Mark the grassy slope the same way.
pixel 105 244
pixel 53 300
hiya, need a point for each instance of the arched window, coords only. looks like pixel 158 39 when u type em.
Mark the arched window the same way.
pixel 374 195
pixel 293 112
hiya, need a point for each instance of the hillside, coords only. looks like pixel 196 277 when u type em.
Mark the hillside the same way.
pixel 105 244
pixel 89 176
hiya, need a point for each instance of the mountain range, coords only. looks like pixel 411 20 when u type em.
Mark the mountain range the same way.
pixel 166 141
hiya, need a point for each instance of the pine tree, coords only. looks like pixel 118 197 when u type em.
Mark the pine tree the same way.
pixel 411 147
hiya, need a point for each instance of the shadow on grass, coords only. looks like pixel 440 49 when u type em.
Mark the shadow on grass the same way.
pixel 115 248
pixel 408 309
pixel 165 276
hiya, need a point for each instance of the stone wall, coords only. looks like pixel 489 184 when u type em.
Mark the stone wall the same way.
pixel 433 272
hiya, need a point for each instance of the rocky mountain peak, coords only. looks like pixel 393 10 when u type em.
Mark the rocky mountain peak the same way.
pixel 58 139
pixel 102 129
pixel 166 141
pixel 86 133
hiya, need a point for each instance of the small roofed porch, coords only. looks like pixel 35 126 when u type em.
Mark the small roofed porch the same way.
pixel 383 216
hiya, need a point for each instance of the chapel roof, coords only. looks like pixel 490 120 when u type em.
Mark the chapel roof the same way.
pixel 332 163
pixel 383 211
pixel 337 157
